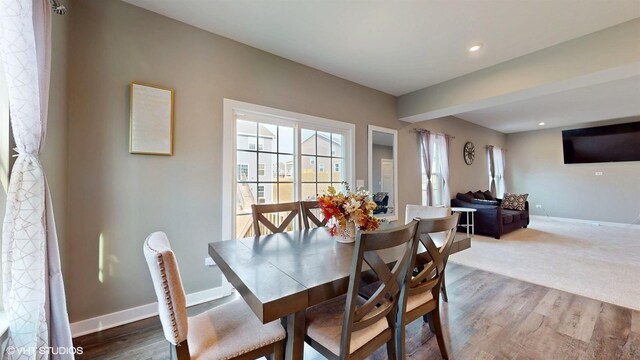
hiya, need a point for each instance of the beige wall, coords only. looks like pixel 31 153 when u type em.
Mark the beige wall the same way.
pixel 535 166
pixel 463 177
pixel 122 197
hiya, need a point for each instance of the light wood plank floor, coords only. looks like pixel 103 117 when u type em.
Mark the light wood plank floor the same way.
pixel 489 316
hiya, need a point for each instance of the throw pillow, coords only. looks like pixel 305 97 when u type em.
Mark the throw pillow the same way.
pixel 465 197
pixel 488 195
pixel 479 195
pixel 485 202
pixel 514 201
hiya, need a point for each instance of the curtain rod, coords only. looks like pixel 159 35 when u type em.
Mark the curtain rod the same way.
pixel 435 133
pixel 495 147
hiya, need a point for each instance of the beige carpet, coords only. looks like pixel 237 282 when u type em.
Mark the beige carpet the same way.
pixel 599 262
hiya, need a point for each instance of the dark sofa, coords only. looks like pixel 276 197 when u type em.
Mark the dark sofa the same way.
pixel 492 220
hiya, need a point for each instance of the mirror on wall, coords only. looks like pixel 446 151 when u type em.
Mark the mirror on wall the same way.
pixel 383 171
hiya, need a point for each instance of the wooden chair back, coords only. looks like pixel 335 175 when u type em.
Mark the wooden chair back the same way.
pixel 260 220
pixel 431 263
pixel 383 302
pixel 308 216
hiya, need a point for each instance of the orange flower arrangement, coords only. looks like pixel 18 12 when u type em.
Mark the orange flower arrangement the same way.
pixel 356 207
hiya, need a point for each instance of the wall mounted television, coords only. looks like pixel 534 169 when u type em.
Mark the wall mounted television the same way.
pixel 611 143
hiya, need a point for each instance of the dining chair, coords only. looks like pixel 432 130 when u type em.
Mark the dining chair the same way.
pixel 309 217
pixel 351 327
pixel 422 298
pixel 228 331
pixel 273 217
pixel 430 212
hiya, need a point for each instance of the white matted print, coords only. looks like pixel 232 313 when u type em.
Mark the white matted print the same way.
pixel 151 127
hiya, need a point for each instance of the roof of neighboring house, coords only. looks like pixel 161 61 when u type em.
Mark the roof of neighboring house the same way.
pixel 323 136
pixel 244 127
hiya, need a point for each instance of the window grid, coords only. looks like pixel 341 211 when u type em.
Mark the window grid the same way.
pixel 315 157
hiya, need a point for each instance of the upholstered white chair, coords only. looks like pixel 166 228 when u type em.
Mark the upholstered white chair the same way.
pixel 228 331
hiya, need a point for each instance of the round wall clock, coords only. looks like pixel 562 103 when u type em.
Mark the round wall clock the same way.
pixel 469 152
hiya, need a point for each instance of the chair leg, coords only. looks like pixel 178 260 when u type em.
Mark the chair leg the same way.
pixel 278 351
pixel 401 351
pixel 443 289
pixel 391 349
pixel 437 326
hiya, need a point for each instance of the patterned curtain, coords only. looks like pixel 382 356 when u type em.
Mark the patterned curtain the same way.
pixel 33 295
pixel 425 141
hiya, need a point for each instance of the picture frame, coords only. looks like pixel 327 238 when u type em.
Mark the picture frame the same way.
pixel 151 119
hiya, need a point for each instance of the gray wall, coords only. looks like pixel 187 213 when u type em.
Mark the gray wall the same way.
pixel 535 166
pixel 122 197
pixel 463 177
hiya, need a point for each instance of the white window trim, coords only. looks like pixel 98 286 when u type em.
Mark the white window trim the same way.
pixel 230 107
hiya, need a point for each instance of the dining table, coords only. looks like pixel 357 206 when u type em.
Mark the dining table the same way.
pixel 281 275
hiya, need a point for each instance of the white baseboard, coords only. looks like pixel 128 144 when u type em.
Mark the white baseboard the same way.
pixel 590 222
pixel 122 317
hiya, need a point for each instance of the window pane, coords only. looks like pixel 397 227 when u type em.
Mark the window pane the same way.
pixel 286 169
pixel 244 226
pixel 269 161
pixel 340 187
pixel 268 137
pixel 246 195
pixel 246 135
pixel 337 147
pixel 308 142
pixel 286 193
pixel 324 188
pixel 337 169
pixel 324 169
pixel 246 166
pixel 309 192
pixel 285 139
pixel 308 168
pixel 324 143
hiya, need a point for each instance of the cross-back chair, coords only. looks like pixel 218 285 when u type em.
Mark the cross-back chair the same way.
pixel 351 327
pixel 430 212
pixel 422 297
pixel 260 220
pixel 229 331
pixel 309 217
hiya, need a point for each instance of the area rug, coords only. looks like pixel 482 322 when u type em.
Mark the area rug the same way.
pixel 599 262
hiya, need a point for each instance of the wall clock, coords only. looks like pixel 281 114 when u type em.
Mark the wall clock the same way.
pixel 469 152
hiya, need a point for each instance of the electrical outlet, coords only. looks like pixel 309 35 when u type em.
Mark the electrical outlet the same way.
pixel 359 184
pixel 209 262
pixel 538 206
pixel 599 173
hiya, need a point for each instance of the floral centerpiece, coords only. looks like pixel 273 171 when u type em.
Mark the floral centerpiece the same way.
pixel 348 210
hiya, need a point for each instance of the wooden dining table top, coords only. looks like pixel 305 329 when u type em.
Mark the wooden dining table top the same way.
pixel 283 273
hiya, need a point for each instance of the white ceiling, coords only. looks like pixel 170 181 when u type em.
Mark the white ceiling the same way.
pixel 398 46
pixel 615 99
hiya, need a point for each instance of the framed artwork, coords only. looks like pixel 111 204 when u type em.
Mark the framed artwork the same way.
pixel 151 120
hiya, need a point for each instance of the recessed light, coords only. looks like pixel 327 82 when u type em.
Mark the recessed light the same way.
pixel 474 48
pixel 541 123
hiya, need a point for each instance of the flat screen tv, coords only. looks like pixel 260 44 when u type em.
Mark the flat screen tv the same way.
pixel 611 143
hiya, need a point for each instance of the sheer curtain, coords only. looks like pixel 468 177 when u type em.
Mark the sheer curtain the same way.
pixel 444 144
pixel 33 290
pixel 496 161
pixel 427 149
pixel 500 161
pixel 492 169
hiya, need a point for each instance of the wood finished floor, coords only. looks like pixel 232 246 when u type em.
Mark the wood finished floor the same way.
pixel 488 316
